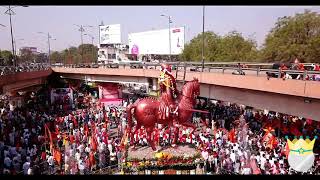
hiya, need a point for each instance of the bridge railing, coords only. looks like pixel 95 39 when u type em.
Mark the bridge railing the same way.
pixel 7 70
pixel 257 69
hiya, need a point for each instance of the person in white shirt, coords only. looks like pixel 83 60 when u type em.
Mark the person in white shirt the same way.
pixel 233 156
pixel 263 160
pixel 30 171
pixel 7 162
pixel 77 155
pixel 205 155
pixel 26 167
pixel 50 161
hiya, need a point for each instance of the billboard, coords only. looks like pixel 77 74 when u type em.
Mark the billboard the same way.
pixel 110 34
pixel 157 42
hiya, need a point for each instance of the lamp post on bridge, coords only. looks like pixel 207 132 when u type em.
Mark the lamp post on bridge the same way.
pixel 169 22
pixel 202 52
pixel 48 41
pixel 81 29
pixel 92 38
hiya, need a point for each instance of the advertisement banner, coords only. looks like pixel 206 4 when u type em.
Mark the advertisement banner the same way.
pixel 157 42
pixel 62 96
pixel 109 91
pixel 110 34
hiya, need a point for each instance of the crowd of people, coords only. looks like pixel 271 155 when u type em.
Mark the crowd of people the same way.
pixel 38 140
pixel 6 70
pixel 238 144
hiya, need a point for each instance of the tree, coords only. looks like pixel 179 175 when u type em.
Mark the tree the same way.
pixel 7 57
pixel 294 37
pixel 55 57
pixel 90 53
pixel 26 56
pixel 232 47
pixel 193 50
pixel 41 58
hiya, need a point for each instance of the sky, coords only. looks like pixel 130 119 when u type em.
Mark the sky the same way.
pixel 251 21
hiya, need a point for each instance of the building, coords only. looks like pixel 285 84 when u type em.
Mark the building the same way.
pixel 33 50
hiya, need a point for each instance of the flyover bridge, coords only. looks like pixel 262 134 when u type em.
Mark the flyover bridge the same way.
pixel 294 97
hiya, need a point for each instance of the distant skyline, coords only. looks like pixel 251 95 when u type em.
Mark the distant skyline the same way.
pixel 251 21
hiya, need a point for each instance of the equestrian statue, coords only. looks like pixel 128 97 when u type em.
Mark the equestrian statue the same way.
pixel 171 106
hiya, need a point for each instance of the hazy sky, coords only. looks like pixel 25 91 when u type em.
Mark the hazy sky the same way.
pixel 252 21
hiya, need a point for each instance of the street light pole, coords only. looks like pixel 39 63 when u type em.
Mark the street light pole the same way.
pixel 169 20
pixel 169 39
pixel 49 62
pixel 81 33
pixel 49 46
pixel 92 38
pixel 203 38
pixel 10 12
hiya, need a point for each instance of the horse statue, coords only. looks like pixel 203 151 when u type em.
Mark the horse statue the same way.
pixel 148 111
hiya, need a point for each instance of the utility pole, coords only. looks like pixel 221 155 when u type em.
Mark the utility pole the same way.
pixel 10 12
pixel 169 22
pixel 93 51
pixel 169 39
pixel 81 29
pixel 49 46
pixel 203 38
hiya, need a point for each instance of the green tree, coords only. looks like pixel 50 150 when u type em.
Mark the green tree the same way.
pixel 7 57
pixel 193 50
pixel 26 56
pixel 294 36
pixel 56 57
pixel 89 53
pixel 234 47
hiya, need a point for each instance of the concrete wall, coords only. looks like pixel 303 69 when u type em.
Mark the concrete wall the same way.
pixel 22 76
pixel 293 105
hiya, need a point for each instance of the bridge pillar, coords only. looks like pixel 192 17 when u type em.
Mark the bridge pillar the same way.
pixel 154 84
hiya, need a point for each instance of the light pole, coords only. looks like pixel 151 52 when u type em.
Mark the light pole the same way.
pixel 81 32
pixel 203 38
pixel 48 41
pixel 169 22
pixel 92 38
pixel 10 12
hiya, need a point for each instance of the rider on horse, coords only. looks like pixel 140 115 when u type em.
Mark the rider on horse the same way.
pixel 168 85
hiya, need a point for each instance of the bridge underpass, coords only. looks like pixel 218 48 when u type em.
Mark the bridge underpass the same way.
pixel 14 82
pixel 304 106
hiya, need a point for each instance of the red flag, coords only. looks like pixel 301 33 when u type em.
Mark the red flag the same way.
pixel 86 130
pixel 232 136
pixel 57 156
pixel 94 143
pixel 48 134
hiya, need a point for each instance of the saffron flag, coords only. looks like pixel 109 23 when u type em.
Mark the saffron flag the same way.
pixel 232 136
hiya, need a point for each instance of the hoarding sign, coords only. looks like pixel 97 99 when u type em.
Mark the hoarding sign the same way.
pixel 157 42
pixel 110 34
